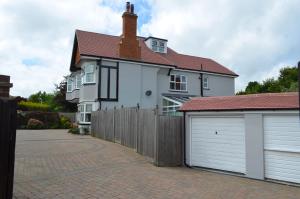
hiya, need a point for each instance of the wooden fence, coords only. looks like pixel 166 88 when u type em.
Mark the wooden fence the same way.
pixel 7 146
pixel 156 136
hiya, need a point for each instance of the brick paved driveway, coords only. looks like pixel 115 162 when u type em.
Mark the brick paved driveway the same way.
pixel 55 164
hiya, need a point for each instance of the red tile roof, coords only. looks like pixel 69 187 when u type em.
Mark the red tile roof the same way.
pixel 101 45
pixel 266 101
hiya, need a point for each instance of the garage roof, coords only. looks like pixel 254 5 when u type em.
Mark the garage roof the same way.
pixel 266 101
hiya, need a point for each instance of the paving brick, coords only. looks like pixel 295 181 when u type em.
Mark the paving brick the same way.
pixel 55 164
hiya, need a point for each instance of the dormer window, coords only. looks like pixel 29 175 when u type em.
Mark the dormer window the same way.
pixel 156 44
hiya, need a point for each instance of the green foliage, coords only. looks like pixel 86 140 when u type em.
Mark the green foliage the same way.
pixel 33 106
pixel 286 82
pixel 35 124
pixel 65 123
pixel 41 97
pixel 74 130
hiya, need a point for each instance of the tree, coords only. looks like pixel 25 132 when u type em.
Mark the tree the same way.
pixel 41 97
pixel 60 98
pixel 286 82
pixel 253 87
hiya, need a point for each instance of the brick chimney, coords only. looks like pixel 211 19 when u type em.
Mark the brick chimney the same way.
pixel 129 45
pixel 5 85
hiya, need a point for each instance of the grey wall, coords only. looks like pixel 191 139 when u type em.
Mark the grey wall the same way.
pixel 254 145
pixel 219 85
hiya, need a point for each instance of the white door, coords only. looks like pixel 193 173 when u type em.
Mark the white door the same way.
pixel 282 147
pixel 218 143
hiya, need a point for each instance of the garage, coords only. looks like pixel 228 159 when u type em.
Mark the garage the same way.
pixel 257 136
pixel 218 143
pixel 282 147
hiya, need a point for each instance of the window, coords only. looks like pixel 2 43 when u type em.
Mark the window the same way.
pixel 85 111
pixel 77 81
pixel 205 82
pixel 109 79
pixel 178 82
pixel 161 47
pixel 158 46
pixel 89 75
pixel 170 107
pixel 69 84
pixel 154 45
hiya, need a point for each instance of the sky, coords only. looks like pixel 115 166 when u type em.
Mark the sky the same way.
pixel 253 38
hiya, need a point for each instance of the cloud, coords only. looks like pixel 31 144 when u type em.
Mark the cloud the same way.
pixel 36 43
pixel 253 38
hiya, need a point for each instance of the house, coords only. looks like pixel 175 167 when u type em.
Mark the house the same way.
pixel 256 136
pixel 129 71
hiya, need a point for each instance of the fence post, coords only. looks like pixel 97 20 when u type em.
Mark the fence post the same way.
pixel 156 136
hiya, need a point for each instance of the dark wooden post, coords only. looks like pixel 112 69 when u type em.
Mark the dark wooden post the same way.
pixel 5 85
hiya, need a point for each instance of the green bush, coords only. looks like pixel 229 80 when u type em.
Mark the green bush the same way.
pixel 50 119
pixel 35 124
pixel 74 130
pixel 33 106
pixel 65 122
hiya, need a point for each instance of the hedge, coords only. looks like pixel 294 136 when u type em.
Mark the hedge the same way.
pixel 32 106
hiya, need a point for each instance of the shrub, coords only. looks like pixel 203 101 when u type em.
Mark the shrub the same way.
pixel 35 124
pixel 74 130
pixel 65 122
pixel 50 119
pixel 32 106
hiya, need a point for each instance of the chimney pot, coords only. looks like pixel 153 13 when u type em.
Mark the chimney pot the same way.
pixel 132 8
pixel 127 6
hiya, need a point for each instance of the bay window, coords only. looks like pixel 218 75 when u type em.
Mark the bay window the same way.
pixel 178 82
pixel 85 111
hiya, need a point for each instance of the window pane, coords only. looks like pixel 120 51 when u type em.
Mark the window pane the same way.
pixel 183 79
pixel 88 117
pixel 82 117
pixel 104 76
pixel 89 69
pixel 172 77
pixel 78 81
pixel 183 87
pixel 161 44
pixel 177 86
pixel 89 108
pixel 113 83
pixel 172 85
pixel 89 77
pixel 81 108
pixel 178 78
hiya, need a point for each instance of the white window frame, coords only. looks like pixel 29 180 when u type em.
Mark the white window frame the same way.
pixel 154 47
pixel 181 82
pixel 171 110
pixel 77 78
pixel 85 74
pixel 205 83
pixel 83 112
pixel 161 46
pixel 70 85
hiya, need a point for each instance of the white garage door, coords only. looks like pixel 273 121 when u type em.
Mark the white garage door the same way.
pixel 218 143
pixel 282 148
